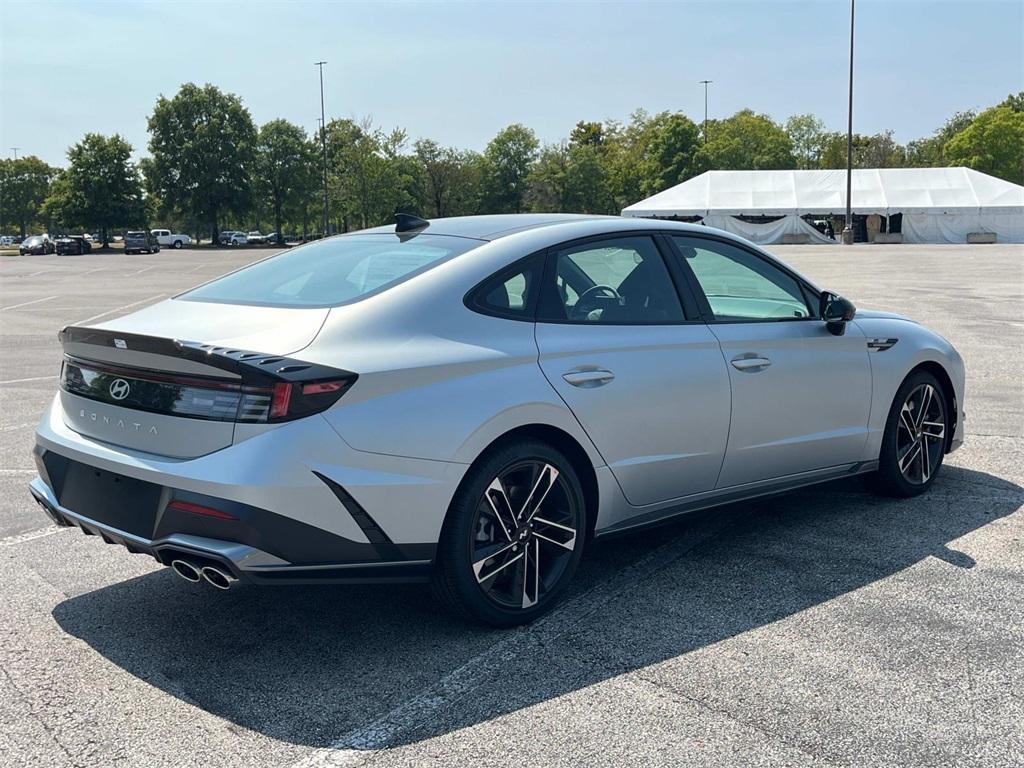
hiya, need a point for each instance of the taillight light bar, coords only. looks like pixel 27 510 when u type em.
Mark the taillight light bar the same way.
pixel 206 398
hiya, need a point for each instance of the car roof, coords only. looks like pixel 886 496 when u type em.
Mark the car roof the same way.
pixel 495 226
pixel 560 227
pixel 491 227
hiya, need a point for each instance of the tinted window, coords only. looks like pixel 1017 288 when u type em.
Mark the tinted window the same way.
pixel 332 271
pixel 513 292
pixel 740 285
pixel 620 280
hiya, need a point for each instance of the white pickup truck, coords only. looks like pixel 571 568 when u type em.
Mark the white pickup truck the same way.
pixel 167 239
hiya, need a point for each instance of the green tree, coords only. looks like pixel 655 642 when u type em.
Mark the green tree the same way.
pixel 930 152
pixel 833 152
pixel 446 183
pixel 624 148
pixel 285 169
pixel 586 134
pixel 370 178
pixel 668 145
pixel 24 187
pixel 881 151
pixel 101 188
pixel 202 143
pixel 507 162
pixel 1014 101
pixel 746 141
pixel 992 143
pixel 807 134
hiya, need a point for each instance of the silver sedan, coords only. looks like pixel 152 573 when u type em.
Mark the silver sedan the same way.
pixel 470 401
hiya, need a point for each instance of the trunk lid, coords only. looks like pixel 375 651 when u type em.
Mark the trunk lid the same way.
pixel 173 379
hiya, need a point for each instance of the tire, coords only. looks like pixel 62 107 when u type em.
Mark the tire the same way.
pixel 910 438
pixel 177 245
pixel 505 589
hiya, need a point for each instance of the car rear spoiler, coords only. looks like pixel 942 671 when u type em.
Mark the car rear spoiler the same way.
pixel 253 368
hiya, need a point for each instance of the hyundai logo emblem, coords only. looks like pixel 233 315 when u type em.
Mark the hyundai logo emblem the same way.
pixel 119 389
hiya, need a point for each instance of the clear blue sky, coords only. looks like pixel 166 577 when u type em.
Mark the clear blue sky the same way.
pixel 459 72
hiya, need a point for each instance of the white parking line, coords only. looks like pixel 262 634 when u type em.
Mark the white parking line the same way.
pixel 27 303
pixel 362 744
pixel 40 272
pixel 12 427
pixel 143 270
pixel 118 309
pixel 21 538
pixel 25 381
pixel 89 272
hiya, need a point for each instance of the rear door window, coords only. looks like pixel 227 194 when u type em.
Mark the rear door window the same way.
pixel 619 281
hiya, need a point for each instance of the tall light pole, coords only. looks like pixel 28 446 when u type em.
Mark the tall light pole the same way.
pixel 15 152
pixel 705 83
pixel 323 140
pixel 848 229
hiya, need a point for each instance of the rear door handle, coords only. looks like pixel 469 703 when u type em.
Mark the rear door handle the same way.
pixel 587 379
pixel 750 363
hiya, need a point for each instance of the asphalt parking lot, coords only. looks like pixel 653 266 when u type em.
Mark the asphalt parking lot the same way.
pixel 824 627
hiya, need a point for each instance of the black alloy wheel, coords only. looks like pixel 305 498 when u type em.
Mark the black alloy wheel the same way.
pixel 915 438
pixel 514 535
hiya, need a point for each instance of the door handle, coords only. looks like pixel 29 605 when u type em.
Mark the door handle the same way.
pixel 750 363
pixel 587 379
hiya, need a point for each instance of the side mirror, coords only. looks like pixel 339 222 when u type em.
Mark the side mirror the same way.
pixel 836 312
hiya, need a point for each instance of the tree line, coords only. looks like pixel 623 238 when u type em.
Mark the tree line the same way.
pixel 210 167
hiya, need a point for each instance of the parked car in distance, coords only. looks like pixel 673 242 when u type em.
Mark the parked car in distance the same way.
pixel 72 244
pixel 36 245
pixel 140 241
pixel 271 239
pixel 234 238
pixel 256 238
pixel 6 241
pixel 171 239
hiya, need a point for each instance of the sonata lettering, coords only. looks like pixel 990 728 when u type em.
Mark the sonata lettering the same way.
pixel 119 423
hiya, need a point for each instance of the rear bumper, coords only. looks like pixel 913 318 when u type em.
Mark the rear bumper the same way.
pixel 305 506
pixel 245 563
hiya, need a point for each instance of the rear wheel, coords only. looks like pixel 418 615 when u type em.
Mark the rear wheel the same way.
pixel 914 441
pixel 513 536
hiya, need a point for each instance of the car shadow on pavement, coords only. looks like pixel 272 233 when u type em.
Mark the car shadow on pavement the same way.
pixel 309 665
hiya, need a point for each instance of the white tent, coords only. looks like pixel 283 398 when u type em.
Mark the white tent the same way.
pixel 939 205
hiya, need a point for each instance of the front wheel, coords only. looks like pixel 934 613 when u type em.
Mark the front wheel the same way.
pixel 177 245
pixel 914 441
pixel 513 537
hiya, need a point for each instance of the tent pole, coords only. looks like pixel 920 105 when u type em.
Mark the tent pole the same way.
pixel 848 230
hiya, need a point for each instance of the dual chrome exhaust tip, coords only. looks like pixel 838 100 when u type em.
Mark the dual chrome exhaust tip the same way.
pixel 195 573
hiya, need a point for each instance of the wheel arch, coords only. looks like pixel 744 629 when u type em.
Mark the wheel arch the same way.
pixel 566 444
pixel 948 392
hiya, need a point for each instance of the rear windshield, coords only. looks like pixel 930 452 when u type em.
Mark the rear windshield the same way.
pixel 333 271
pixel 135 234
